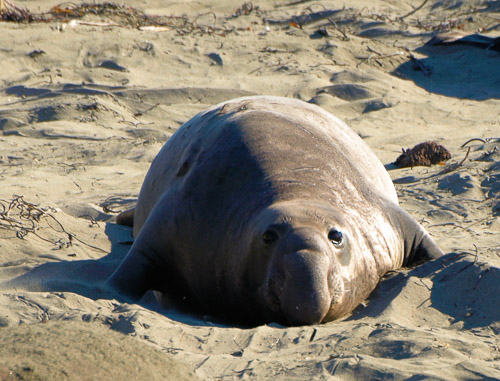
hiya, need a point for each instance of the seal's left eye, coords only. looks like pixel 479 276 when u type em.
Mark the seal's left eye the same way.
pixel 335 237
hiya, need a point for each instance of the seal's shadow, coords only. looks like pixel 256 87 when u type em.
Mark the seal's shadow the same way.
pixel 462 289
pixel 87 277
pixel 459 71
pixel 83 277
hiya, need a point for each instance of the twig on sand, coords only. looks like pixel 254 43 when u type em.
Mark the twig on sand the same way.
pixel 337 28
pixel 445 261
pixel 313 335
pixel 377 55
pixel 443 224
pixel 292 3
pixel 413 11
pixel 422 281
pixel 477 256
pixel 139 113
pixel 419 65
pixel 459 164
pixel 454 167
pixel 76 23
pixel 475 223
pixel 27 220
pixel 195 22
pixel 473 140
pixel 459 255
pixel 304 19
pixel 489 153
pixel 484 141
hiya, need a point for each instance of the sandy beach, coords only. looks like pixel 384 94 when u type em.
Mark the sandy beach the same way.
pixel 87 102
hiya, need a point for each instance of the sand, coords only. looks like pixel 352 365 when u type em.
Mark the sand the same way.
pixel 85 108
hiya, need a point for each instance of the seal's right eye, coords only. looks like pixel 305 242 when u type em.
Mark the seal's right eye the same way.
pixel 270 236
pixel 335 237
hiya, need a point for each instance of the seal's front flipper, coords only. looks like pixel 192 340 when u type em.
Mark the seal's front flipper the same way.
pixel 126 218
pixel 150 261
pixel 136 274
pixel 419 246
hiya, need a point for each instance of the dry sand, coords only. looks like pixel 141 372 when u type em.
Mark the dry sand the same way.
pixel 81 122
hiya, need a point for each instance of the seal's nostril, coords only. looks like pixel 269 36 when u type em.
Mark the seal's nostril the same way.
pixel 270 236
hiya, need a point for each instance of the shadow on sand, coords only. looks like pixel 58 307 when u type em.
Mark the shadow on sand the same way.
pixel 87 278
pixel 83 277
pixel 461 289
pixel 460 71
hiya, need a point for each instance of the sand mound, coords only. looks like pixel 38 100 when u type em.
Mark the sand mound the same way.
pixel 81 351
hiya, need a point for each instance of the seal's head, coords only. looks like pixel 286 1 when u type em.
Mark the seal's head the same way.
pixel 306 262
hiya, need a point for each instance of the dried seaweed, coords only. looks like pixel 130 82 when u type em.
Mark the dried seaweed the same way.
pixel 304 19
pixel 122 15
pixel 11 12
pixel 424 154
pixel 117 14
pixel 24 218
pixel 247 9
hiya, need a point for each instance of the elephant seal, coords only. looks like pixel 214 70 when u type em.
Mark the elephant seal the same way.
pixel 268 209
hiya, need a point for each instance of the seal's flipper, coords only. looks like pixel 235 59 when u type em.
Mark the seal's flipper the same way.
pixel 132 278
pixel 126 218
pixel 137 273
pixel 419 246
pixel 146 266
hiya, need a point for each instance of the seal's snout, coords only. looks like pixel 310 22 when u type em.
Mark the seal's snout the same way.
pixel 299 275
pixel 306 296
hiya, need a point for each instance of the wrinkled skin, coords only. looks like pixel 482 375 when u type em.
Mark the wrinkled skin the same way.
pixel 268 209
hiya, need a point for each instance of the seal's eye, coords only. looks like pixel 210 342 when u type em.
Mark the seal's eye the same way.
pixel 335 237
pixel 270 236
